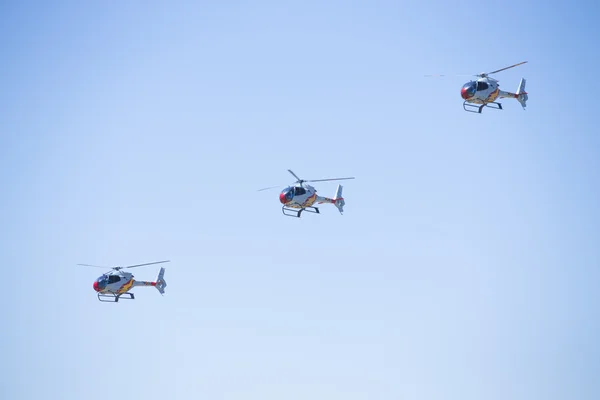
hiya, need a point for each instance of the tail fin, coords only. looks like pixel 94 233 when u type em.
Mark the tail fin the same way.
pixel 161 284
pixel 338 200
pixel 522 94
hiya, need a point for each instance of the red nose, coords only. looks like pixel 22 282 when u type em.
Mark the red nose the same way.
pixel 282 198
pixel 464 94
pixel 96 286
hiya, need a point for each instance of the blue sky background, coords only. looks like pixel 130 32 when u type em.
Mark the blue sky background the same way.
pixel 466 263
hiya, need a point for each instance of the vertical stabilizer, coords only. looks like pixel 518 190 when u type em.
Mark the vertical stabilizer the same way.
pixel 161 284
pixel 339 200
pixel 522 94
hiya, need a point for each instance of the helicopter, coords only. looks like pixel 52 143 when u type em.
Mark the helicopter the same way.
pixel 301 197
pixel 484 91
pixel 116 284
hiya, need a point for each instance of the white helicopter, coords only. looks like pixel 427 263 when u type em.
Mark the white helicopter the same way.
pixel 484 91
pixel 112 285
pixel 302 197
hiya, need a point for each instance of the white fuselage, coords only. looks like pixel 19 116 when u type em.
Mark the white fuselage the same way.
pixel 301 196
pixel 483 90
pixel 117 282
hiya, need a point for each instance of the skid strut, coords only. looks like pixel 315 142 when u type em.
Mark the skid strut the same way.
pixel 480 108
pixel 295 212
pixel 113 298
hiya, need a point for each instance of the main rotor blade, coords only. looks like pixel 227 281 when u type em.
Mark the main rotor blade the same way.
pixel 331 179
pixel 95 266
pixel 512 66
pixel 267 188
pixel 295 176
pixel 142 265
pixel 438 75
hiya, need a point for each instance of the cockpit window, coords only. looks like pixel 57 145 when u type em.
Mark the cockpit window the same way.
pixel 102 281
pixel 468 90
pixel 299 190
pixel 482 86
pixel 289 193
pixel 470 87
pixel 113 279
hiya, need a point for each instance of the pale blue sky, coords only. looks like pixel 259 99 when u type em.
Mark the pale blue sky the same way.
pixel 466 263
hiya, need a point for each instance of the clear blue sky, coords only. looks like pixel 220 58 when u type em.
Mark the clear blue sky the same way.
pixel 466 263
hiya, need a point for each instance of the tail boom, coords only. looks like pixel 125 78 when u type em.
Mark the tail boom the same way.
pixel 521 94
pixel 337 201
pixel 160 283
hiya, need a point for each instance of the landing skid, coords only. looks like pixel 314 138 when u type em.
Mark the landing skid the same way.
pixel 480 108
pixel 294 212
pixel 114 297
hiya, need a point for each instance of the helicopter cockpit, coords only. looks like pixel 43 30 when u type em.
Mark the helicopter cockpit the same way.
pixel 286 195
pixel 468 90
pixel 101 283
pixel 289 192
pixel 299 191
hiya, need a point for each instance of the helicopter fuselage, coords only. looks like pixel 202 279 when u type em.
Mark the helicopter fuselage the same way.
pixel 481 91
pixel 302 197
pixel 485 91
pixel 118 283
pixel 299 196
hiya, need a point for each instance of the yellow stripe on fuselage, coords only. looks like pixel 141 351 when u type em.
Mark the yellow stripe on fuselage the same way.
pixel 493 96
pixel 126 286
pixel 307 203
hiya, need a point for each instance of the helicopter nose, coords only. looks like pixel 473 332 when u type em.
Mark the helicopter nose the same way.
pixel 282 198
pixel 96 288
pixel 464 93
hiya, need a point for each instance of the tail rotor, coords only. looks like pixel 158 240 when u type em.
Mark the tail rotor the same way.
pixel 338 200
pixel 522 94
pixel 161 284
